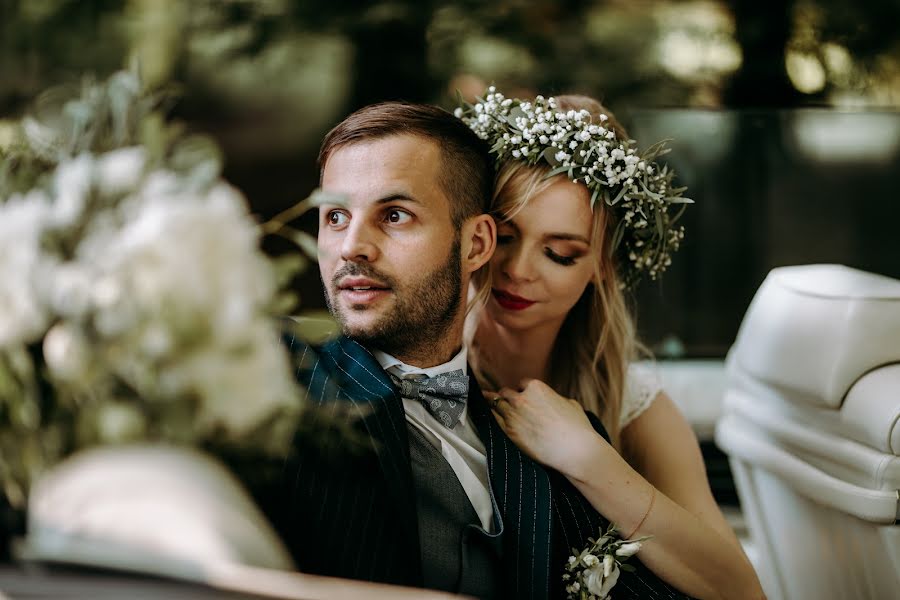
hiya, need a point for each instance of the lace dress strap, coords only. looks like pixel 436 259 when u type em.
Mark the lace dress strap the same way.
pixel 642 385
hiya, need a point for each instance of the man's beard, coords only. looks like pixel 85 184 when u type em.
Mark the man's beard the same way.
pixel 422 312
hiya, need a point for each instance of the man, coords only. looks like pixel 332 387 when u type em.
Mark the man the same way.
pixel 445 500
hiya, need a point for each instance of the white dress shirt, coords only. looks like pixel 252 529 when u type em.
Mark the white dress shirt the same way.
pixel 460 446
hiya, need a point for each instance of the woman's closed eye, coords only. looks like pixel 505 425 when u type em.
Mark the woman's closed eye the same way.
pixel 560 259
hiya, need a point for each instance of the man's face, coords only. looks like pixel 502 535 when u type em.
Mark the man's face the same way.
pixel 389 258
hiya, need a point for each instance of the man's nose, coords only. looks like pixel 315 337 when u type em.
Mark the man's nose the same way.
pixel 359 243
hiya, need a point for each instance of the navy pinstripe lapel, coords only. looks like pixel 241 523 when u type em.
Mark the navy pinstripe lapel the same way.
pixel 522 492
pixel 365 384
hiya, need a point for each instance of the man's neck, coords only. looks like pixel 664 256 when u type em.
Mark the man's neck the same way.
pixel 431 353
pixel 426 361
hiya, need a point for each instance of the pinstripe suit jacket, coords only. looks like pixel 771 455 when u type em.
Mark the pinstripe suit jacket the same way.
pixel 359 520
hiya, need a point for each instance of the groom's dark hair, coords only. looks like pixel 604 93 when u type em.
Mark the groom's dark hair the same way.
pixel 467 173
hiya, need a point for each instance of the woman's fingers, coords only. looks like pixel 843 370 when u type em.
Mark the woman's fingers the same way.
pixel 501 404
pixel 507 393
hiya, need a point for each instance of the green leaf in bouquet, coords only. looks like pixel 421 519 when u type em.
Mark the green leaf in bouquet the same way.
pixel 20 170
pixel 515 112
pixel 549 155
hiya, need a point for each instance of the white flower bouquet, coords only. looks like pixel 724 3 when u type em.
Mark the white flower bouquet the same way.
pixel 593 572
pixel 135 302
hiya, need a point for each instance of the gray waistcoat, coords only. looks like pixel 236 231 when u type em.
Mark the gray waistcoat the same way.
pixel 457 554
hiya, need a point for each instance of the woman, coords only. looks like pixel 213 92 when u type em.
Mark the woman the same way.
pixel 581 215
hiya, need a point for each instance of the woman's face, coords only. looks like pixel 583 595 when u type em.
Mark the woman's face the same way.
pixel 543 261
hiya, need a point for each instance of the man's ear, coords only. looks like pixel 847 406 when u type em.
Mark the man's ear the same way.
pixel 479 240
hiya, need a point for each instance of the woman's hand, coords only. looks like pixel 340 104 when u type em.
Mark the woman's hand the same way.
pixel 549 428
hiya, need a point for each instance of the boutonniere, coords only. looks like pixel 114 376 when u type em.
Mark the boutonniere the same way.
pixel 593 572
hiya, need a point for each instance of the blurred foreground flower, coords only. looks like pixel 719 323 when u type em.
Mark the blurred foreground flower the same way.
pixel 135 304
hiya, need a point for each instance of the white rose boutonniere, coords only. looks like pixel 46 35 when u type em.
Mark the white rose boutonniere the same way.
pixel 593 572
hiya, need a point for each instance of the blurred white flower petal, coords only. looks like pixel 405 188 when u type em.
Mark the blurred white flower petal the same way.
pixel 23 316
pixel 72 183
pixel 119 171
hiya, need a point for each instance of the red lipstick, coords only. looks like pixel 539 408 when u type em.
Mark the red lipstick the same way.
pixel 511 301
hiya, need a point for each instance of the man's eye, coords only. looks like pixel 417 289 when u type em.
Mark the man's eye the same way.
pixel 336 217
pixel 398 217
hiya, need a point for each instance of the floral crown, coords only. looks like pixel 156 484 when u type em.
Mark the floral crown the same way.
pixel 639 192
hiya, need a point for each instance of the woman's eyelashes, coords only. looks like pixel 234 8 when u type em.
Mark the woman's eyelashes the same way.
pixel 566 261
pixel 560 259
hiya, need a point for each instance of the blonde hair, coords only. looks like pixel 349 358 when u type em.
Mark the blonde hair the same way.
pixel 597 341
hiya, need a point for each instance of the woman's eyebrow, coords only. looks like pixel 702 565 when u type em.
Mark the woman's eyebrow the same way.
pixel 572 237
pixel 561 236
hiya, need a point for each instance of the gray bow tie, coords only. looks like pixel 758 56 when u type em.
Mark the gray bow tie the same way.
pixel 443 395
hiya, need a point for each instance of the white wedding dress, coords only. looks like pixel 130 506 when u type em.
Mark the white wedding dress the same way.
pixel 642 385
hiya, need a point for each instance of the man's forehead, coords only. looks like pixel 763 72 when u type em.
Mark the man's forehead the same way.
pixel 372 169
pixel 392 149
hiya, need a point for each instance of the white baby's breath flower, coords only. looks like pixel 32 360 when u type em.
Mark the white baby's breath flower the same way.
pixel 623 175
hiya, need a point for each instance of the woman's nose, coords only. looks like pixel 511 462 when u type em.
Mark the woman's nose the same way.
pixel 517 265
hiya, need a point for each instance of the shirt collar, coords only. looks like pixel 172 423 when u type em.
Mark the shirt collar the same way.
pixel 401 369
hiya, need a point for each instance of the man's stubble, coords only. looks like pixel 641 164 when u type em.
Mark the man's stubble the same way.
pixel 422 311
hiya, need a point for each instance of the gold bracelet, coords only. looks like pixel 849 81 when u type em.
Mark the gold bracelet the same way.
pixel 644 518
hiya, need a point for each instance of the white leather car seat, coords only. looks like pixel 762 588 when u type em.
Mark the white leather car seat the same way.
pixel 811 424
